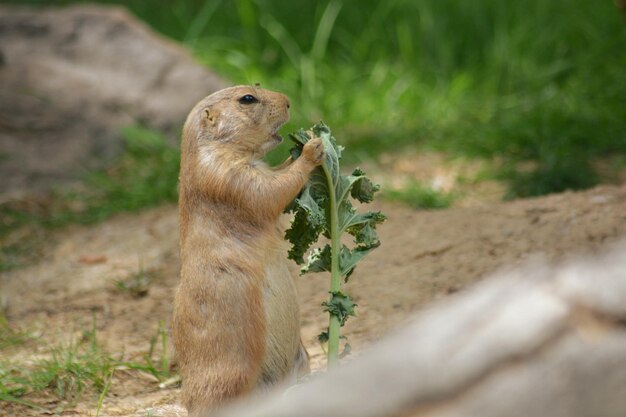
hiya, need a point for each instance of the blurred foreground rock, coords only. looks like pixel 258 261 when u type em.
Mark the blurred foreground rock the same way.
pixel 540 341
pixel 71 78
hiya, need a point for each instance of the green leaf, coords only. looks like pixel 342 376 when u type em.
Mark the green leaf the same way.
pixel 363 189
pixel 347 349
pixel 309 221
pixel 318 261
pixel 349 258
pixel 363 228
pixel 299 138
pixel 340 305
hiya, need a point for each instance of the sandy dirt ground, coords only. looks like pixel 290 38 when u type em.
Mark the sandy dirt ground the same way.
pixel 425 256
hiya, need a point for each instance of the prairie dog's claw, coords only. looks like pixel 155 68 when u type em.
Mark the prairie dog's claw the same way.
pixel 313 150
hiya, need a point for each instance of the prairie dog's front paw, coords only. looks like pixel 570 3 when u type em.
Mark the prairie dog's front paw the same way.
pixel 313 150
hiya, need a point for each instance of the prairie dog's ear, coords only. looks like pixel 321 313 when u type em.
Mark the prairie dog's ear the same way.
pixel 212 120
pixel 209 116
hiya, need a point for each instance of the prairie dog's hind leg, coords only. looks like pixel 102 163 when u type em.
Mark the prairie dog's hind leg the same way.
pixel 302 366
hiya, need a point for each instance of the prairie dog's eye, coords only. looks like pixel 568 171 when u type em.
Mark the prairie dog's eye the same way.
pixel 248 99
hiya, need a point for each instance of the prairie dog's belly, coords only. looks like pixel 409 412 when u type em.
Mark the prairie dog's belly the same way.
pixel 282 315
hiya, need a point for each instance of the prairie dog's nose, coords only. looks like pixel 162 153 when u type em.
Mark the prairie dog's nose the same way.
pixel 285 100
pixel 282 100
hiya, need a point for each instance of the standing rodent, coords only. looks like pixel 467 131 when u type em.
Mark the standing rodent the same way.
pixel 236 322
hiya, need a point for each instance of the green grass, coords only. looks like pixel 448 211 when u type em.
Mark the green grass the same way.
pixel 67 371
pixel 419 196
pixel 145 175
pixel 71 369
pixel 13 384
pixel 10 336
pixel 74 368
pixel 529 81
pixel 157 366
pixel 10 257
pixel 535 83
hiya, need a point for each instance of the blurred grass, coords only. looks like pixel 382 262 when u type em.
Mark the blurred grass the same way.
pixel 145 175
pixel 536 84
pixel 420 196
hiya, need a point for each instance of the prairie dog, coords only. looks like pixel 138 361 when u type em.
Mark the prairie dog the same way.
pixel 236 322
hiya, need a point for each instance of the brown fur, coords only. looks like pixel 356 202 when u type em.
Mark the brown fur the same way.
pixel 236 321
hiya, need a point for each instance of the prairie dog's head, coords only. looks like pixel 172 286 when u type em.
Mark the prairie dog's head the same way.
pixel 244 118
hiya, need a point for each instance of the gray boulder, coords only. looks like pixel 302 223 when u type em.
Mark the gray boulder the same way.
pixel 71 78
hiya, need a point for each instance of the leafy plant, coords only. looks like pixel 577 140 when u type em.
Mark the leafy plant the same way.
pixel 324 208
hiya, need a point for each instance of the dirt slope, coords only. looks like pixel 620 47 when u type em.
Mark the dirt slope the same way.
pixel 425 255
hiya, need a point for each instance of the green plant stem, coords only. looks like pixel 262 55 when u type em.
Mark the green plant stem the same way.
pixel 335 273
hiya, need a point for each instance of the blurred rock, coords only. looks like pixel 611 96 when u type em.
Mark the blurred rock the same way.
pixel 71 78
pixel 543 340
